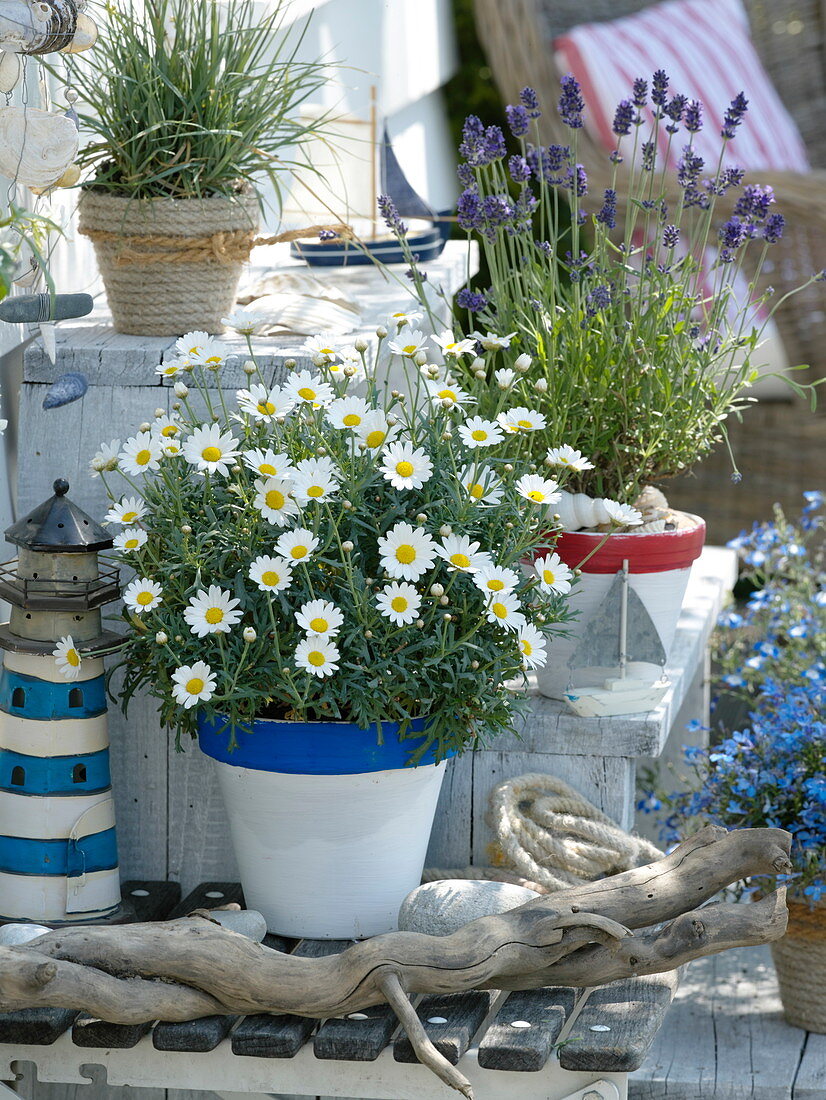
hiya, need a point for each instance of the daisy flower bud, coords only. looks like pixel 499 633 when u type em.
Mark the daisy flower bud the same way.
pixel 446 403
pixel 249 634
pixel 179 637
pixel 349 371
pixel 444 600
pixel 419 624
pixel 176 405
pixel 477 364
pixel 509 525
pixel 421 518
pixel 181 389
pixel 347 546
pixel 249 367
pixel 437 590
pixel 145 427
pixel 445 530
pixel 186 529
pixel 480 374
pixel 161 637
pixel 541 385
pixel 381 332
pixel 393 420
pixel 347 505
pixel 290 364
pixel 446 436
pixel 236 469
pixel 448 618
pixel 508 468
pixel 420 358
pixel 474 665
pixel 523 361
pixel 159 413
pixel 360 344
pixel 368 634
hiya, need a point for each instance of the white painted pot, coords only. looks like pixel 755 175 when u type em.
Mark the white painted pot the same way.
pixel 327 856
pixel 659 568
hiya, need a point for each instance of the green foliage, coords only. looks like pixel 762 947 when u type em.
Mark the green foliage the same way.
pixel 189 99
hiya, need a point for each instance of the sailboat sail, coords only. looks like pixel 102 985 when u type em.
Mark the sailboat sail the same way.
pixel 599 645
pixel 395 183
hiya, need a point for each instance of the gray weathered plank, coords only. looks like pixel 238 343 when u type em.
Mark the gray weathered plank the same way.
pixel 360 1037
pixel 810 1083
pixel 463 1014
pixel 450 840
pixel 510 1045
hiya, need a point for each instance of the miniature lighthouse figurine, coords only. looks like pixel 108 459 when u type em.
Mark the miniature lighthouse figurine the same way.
pixel 58 851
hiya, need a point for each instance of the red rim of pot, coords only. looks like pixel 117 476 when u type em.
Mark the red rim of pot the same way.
pixel 645 552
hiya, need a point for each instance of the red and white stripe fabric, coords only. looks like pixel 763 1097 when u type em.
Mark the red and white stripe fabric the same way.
pixel 705 48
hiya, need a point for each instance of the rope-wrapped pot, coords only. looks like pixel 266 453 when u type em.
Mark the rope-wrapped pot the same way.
pixel 800 962
pixel 169 265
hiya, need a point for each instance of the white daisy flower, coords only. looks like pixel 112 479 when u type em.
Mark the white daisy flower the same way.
pixel 271 574
pixel 304 386
pixel 406 466
pixel 622 514
pixel 493 578
pixel 399 602
pixel 169 368
pixel 375 430
pixel 349 369
pixel 317 655
pixel 67 658
pixel 532 643
pixel 210 449
pixel 315 480
pixel 481 484
pixel 491 342
pixel 171 447
pixel 521 419
pixel 244 321
pixel 505 377
pixel 322 349
pixel 407 552
pixel 538 489
pixel 401 318
pixel 142 595
pixel 554 575
pixel 408 342
pixel 347 412
pixel 461 553
pixel 478 432
pixel 263 404
pixel 201 350
pixel 212 612
pixel 268 463
pixel 193 684
pixel 523 361
pixel 273 501
pixel 166 427
pixel 569 458
pixel 504 610
pixel 133 538
pixel 320 617
pixel 140 453
pixel 213 354
pixel 106 458
pixel 449 391
pixel 451 347
pixel 297 545
pixel 127 510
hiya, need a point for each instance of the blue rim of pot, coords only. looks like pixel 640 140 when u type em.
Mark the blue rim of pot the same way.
pixel 315 748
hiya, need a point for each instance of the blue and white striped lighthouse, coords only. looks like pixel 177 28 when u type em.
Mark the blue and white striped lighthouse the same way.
pixel 58 850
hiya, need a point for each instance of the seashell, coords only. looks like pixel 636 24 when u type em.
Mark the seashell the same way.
pixel 652 504
pixel 64 390
pixel 85 36
pixel 576 510
pixel 9 71
pixel 41 13
pixel 36 147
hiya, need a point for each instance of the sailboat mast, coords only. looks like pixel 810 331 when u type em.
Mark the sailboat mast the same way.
pixel 623 629
pixel 373 159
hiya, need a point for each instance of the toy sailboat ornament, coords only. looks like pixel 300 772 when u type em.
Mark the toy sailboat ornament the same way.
pixel 618 666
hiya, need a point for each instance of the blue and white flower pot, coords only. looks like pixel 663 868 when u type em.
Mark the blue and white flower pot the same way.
pixel 330 829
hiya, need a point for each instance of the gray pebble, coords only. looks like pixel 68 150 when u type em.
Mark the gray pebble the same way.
pixel 247 922
pixel 439 908
pixel 11 935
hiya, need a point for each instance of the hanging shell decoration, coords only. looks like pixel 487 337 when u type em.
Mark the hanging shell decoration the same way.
pixel 39 27
pixel 577 510
pixel 36 147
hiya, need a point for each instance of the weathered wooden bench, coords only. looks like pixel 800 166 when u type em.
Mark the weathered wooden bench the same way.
pixel 544 1044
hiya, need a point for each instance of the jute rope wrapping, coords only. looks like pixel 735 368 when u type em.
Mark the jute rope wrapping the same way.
pixel 800 962
pixel 172 265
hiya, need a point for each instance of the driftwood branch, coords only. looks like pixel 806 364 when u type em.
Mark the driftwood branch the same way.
pixel 183 969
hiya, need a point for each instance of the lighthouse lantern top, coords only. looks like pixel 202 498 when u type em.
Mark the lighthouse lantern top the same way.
pixel 58 526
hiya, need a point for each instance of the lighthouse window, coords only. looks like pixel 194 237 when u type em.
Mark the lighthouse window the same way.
pixel 75 697
pixel 18 776
pixel 79 773
pixel 18 699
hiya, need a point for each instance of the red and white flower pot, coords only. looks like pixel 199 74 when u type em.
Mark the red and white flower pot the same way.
pixel 659 564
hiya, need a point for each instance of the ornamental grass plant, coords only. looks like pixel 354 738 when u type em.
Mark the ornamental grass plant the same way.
pixel 322 548
pixel 628 303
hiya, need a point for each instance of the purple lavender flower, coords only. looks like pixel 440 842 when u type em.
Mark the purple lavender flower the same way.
pixel 659 88
pixel 411 272
pixel 689 167
pixel 471 300
pixel 548 163
pixel 469 209
pixel 518 119
pixel 388 211
pixel 597 299
pixel 674 110
pixel 466 176
pixel 671 236
pixel 734 116
pixel 544 247
pixel 497 212
pixel 754 203
pixel 649 156
pixel 624 117
pixel 730 177
pixel 732 234
pixel 773 229
pixel 522 212
pixel 640 92
pixel 473 139
pixel 693 117
pixel 571 103
pixel 519 169
pixel 327 234
pixel 528 99
pixel 615 157
pixel 608 213
pixel 576 180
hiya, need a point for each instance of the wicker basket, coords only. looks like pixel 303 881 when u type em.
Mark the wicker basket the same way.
pixel 169 265
pixel 800 962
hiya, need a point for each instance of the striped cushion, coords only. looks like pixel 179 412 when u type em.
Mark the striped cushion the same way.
pixel 705 48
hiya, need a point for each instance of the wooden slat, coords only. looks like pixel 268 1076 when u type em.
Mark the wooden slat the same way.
pixel 36 1026
pixel 193 1036
pixel 209 895
pixel 615 1029
pixel 151 900
pixel 90 1032
pixel 810 1083
pixel 509 1045
pixel 464 1013
pixel 360 1037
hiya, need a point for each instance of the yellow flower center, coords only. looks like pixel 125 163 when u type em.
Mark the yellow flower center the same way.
pixel 307 392
pixel 170 370
pixel 462 560
pixel 548 576
pixel 404 469
pixel 351 420
pixel 319 625
pixel 266 407
pixel 316 658
pixel 405 553
pixel 479 435
pixel 410 349
pixel 267 468
pixel 477 491
pixel 131 544
pixel 298 552
pixel 500 610
pixel 327 351
pixel 275 499
pixel 127 517
pixel 73 658
pixel 399 603
pixel 270 577
pixel 315 491
pixel 526 647
pixel 526 425
pixel 214 615
pixel 215 360
pixel 448 395
pixel 211 454
pixel 170 430
pixel 142 457
pixel 495 585
pixel 536 495
pixel 194 350
pixel 195 686
pixel 144 598
pixel 375 438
